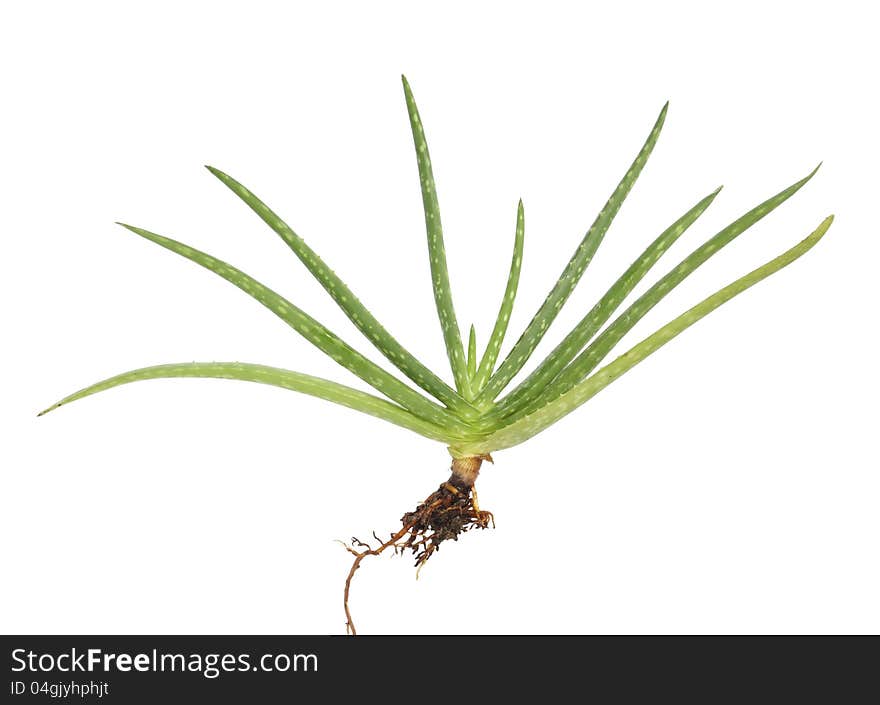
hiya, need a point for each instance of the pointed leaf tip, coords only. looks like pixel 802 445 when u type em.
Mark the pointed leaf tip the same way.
pixel 222 175
pixel 131 228
pixel 48 409
pixel 809 176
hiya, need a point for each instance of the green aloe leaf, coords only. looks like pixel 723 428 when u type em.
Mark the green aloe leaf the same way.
pixel 537 381
pixel 532 424
pixel 493 347
pixel 571 275
pixel 605 342
pixel 472 355
pixel 436 248
pixel 296 381
pixel 313 331
pixel 357 313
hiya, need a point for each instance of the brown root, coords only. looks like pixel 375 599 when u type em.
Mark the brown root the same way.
pixel 446 513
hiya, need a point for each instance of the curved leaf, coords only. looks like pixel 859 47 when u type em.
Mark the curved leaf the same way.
pixel 296 381
pixel 436 248
pixel 493 347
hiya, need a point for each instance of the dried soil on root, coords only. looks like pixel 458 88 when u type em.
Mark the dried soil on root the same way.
pixel 451 510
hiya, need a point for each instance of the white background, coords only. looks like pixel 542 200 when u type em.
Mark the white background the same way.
pixel 727 484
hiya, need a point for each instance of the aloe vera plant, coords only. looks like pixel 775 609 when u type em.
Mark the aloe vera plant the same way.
pixel 473 416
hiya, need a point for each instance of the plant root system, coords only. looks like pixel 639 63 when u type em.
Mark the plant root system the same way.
pixel 449 511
